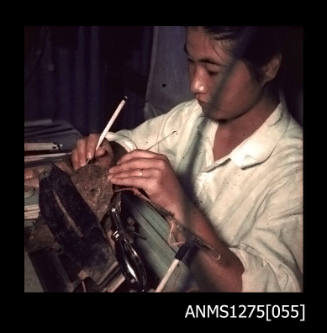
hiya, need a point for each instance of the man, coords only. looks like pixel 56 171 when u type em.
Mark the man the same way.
pixel 228 165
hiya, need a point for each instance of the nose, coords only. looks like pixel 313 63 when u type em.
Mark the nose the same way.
pixel 197 84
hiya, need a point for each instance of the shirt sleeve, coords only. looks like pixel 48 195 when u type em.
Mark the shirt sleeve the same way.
pixel 140 137
pixel 161 130
pixel 272 253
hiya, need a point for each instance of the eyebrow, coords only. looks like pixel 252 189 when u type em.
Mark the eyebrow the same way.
pixel 204 60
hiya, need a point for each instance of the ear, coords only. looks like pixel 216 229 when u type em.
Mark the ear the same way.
pixel 271 69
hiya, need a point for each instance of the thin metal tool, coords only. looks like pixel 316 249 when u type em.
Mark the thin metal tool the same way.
pixel 164 138
pixel 129 260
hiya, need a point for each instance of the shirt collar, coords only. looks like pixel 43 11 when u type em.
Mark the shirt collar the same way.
pixel 259 146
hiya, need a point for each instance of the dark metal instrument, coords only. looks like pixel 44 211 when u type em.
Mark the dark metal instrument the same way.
pixel 130 262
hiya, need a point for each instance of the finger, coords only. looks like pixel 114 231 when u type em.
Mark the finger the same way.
pixel 81 154
pixel 138 153
pixel 74 159
pixel 144 173
pixel 29 174
pixel 139 163
pixel 100 152
pixel 77 154
pixel 91 143
pixel 139 182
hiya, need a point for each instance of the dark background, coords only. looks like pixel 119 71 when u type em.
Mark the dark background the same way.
pixel 80 73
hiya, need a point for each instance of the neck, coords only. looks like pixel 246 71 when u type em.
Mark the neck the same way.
pixel 244 125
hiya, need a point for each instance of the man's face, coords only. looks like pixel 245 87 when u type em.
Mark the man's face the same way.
pixel 208 62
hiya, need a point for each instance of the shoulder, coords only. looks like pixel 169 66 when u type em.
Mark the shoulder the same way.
pixel 178 115
pixel 290 145
pixel 182 115
pixel 294 130
pixel 176 118
pixel 184 110
pixel 286 167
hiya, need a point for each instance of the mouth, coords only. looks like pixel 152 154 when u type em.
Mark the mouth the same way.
pixel 203 104
pixel 205 107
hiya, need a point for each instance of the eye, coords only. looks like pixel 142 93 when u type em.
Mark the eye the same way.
pixel 212 73
pixel 213 70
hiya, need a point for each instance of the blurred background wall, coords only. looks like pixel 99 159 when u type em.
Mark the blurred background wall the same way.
pixel 80 73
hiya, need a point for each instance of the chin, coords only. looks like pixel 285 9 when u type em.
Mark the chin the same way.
pixel 216 116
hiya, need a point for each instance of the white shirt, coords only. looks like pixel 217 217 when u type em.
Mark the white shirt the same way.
pixel 253 196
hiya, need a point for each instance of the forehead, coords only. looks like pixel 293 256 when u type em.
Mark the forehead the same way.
pixel 202 45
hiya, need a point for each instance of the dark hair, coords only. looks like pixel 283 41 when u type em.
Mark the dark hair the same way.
pixel 261 44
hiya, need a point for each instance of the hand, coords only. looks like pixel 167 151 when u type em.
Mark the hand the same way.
pixel 85 150
pixel 29 174
pixel 153 174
